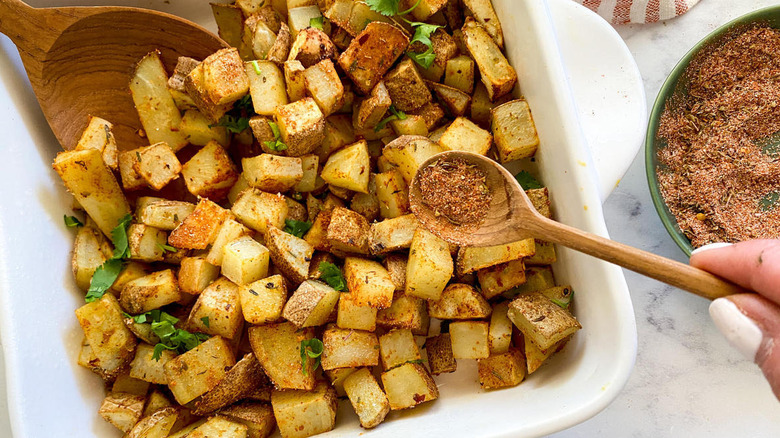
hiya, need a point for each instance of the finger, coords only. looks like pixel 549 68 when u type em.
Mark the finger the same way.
pixel 751 324
pixel 753 264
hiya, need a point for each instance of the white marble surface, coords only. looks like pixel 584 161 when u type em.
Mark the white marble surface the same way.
pixel 687 380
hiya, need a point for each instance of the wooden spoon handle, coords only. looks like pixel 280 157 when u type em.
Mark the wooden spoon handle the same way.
pixel 669 271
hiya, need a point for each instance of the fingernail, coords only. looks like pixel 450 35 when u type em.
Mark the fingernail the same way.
pixel 741 332
pixel 715 245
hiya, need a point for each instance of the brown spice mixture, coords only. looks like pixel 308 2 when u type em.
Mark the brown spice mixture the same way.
pixel 716 173
pixel 456 190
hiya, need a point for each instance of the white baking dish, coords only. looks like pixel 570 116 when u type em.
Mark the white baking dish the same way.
pixel 50 396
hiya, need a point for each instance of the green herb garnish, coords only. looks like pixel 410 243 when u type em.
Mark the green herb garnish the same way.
pixel 72 221
pixel 424 59
pixel 564 301
pixel 237 119
pixel 233 124
pixel 388 8
pixel 166 248
pixel 296 228
pixel 332 275
pixel 527 182
pixel 317 22
pixel 205 321
pixel 423 32
pixel 106 274
pixel 276 144
pixel 171 338
pixel 256 67
pixel 311 348
pixel 395 114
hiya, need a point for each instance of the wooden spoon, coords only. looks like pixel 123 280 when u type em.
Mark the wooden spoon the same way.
pixel 512 217
pixel 80 60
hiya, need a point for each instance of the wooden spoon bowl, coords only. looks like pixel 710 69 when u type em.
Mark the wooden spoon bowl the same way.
pixel 512 217
pixel 80 60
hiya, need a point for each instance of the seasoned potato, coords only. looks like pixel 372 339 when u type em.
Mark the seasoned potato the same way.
pixel 199 130
pixel 485 15
pixel 351 315
pixel 347 348
pixel 290 254
pixel 349 167
pixel 259 210
pixel 392 234
pixel 406 87
pixel 157 165
pixel 469 339
pixel 500 330
pixel 109 340
pixel 455 101
pixel 324 86
pixel 294 80
pixel 309 168
pixel 210 173
pixel 502 370
pixel 301 125
pixel 366 397
pixel 224 76
pixel 459 301
pixel 348 231
pixel 408 152
pixel 459 73
pixel 337 377
pixel 471 259
pixel 311 304
pixel 162 213
pixel 195 274
pixel 373 108
pixel 230 21
pixel 98 136
pixel 278 349
pixel 219 427
pixel 122 410
pixel 430 266
pixel 148 369
pixel 311 46
pixel 498 76
pixel 198 371
pixel 514 130
pixel 263 300
pixel 537 278
pixel 156 425
pixel 338 133
pixel 396 267
pixel 372 53
pixel 542 321
pixel 257 417
pixel 543 255
pixel 245 260
pixel 90 250
pixel 196 88
pixel 464 135
pixel 217 311
pixel 408 385
pixel 230 230
pixel 398 347
pixel 150 292
pixel 369 282
pixel 199 228
pixel 439 351
pixel 243 378
pixel 146 243
pixel 131 180
pixel 497 279
pixel 301 414
pixel 266 86
pixel 392 193
pixel 406 312
pixel 432 113
pixel 272 173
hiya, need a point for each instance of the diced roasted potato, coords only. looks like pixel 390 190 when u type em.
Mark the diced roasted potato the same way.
pixel 130 385
pixel 311 304
pixel 406 87
pixel 278 349
pixel 349 167
pixel 230 230
pixel 366 204
pixel 347 348
pixel 406 312
pixel 148 369
pixel 230 21
pixel 162 213
pixel 464 135
pixel 217 311
pixel 485 15
pixel 459 73
pixel 408 152
pixel 398 347
pixel 109 340
pixel 353 316
pixel 337 377
pixel 430 265
pixel 266 86
pixel 469 339
pixel 368 282
pixel 432 113
pixel 540 200
pixel 290 254
pixel 544 254
pixel 541 320
pixel 498 76
pixel 210 173
pixel 366 397
pixel 219 427
pixel 455 101
pixel 263 301
pixel 196 274
pixel 537 278
pixel 146 243
pixel 156 401
pixel 197 90
pixel 131 180
pixel 94 186
pixel 514 130
pixel 372 53
pixel 500 330
pixel 157 165
pixel 471 259
pixel 90 250
pixel 311 46
pixel 158 112
pixel 497 279
pixel 272 173
pixel 294 80
pixel 156 425
pixel 245 260
pixel 324 86
pixel 257 417
pixel 439 351
pixel 184 65
pixel 199 130
pixel 348 231
pixel 301 125
pixel 392 193
pixel 459 301
pixel 224 76
pixel 259 210
pixel 150 292
pixel 502 370
pixel 396 267
pixel 317 236
pixel 300 414
pixel 199 370
pixel 309 168
pixel 199 228
pixel 245 376
pixel 373 108
pixel 535 357
pixel 258 38
pixel 338 133
pixel 122 410
pixel 98 136
pixel 411 125
pixel 360 16
pixel 408 385
pixel 392 234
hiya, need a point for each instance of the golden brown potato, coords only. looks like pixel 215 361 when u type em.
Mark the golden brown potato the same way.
pixel 245 376
pixel 439 351
pixel 398 347
pixel 311 304
pixel 263 301
pixel 408 385
pixel 90 250
pixel 156 425
pixel 392 234
pixel 349 168
pixel 324 86
pixel 373 108
pixel 498 76
pixel 278 349
pixel 259 210
pixel 406 312
pixel 300 414
pixel 122 410
pixel 199 370
pixel 406 87
pixel 542 321
pixel 348 348
pixel 217 311
pixel 485 15
pixel 301 125
pixel 372 53
pixel 200 228
pixel 150 292
pixel 514 130
pixel 368 282
pixel 311 46
pixel 210 173
pixel 469 339
pixel 271 173
pixel 459 301
pixel 290 254
pixel 366 397
pixel 108 339
pixel 502 370
pixel 97 135
pixel 348 231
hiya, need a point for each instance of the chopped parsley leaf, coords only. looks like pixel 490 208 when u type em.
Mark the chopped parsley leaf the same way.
pixel 317 22
pixel 171 338
pixel 332 275
pixel 311 348
pixel 296 228
pixel 166 248
pixel 106 274
pixel 527 181
pixel 72 221
pixel 205 321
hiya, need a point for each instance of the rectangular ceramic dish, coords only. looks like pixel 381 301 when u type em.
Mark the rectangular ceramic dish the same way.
pixel 49 395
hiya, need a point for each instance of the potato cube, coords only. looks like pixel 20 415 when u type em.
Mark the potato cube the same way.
pixel 408 153
pixel 398 347
pixel 210 173
pixel 294 79
pixel 486 16
pixel 408 385
pixel 150 292
pixel 290 254
pixel 337 377
pixel 148 369
pixel 392 234
pixel 257 417
pixel 406 312
pixel 469 339
pixel 542 321
pixel 157 424
pixel 311 46
pixel 301 414
pixel 459 301
pixel 406 87
pixel 83 172
pixel 301 126
pixel 396 267
pixel 311 304
pixel 544 254
pixel 347 348
pixel 540 200
pixel 199 130
pixel 260 210
pixel 514 130
pixel 497 279
pixel 500 331
pixel 348 231
pixel 272 173
pixel 200 228
pixel 162 213
pixel 497 74
pixel 411 125
pixel 502 370
pixel 459 73
pixel 225 76
pixel 353 316
pixel 197 371
pixel 146 243
pixel 157 165
pixel 229 19
pixel 471 259
pixel 109 340
pixel 156 401
pixel 430 266
pixel 372 53
pixel 257 40
pixel 368 282
pixel 455 102
pixel 349 168
pixel 122 410
pixel 230 230
pixel 464 135
pixel 245 260
pixel 217 311
pixel 219 427
pixel 242 379
pixel 278 349
pixel 130 385
pixel 366 397
pixel 392 194
pixel 366 204
pixel 338 133
pixel 280 50
pixel 131 180
pixel 537 278
pixel 267 87
pixel 309 168
pixel 439 351
pixel 373 108
pixel 195 274
pixel 324 86
pixel 90 251
pixel 98 136
pixel 263 301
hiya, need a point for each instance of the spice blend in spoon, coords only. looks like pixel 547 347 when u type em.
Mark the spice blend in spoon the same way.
pixel 456 190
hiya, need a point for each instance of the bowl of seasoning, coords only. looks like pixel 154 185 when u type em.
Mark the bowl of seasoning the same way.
pixel 713 140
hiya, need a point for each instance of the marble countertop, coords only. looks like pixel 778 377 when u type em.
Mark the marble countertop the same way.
pixel 687 380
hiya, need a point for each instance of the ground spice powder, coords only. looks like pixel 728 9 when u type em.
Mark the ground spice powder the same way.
pixel 719 173
pixel 456 190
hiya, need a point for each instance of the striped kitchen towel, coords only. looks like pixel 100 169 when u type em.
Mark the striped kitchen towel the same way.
pixel 638 11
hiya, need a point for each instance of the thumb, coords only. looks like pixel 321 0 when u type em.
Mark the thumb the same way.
pixel 751 323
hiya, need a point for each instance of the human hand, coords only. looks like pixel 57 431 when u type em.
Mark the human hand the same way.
pixel 751 322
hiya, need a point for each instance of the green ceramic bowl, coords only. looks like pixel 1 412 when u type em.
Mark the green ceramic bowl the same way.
pixel 676 83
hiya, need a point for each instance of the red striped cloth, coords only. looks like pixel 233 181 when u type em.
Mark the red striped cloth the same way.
pixel 638 11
